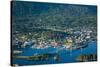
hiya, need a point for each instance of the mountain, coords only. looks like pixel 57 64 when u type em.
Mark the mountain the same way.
pixel 29 15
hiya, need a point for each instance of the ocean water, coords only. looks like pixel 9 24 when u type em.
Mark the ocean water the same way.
pixel 66 56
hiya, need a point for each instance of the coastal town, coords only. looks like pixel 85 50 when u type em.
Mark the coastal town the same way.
pixel 45 39
pixel 47 33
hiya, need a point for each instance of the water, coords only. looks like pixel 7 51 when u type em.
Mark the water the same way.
pixel 66 56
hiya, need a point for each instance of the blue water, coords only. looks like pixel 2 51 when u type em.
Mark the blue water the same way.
pixel 66 56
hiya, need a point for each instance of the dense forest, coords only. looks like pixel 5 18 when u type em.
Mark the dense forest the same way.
pixel 28 16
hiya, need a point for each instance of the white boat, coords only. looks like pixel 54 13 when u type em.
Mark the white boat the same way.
pixel 17 52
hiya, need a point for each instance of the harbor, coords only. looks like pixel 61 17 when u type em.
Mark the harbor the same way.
pixel 68 48
pixel 48 33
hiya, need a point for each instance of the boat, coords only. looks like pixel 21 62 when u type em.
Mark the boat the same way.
pixel 17 52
